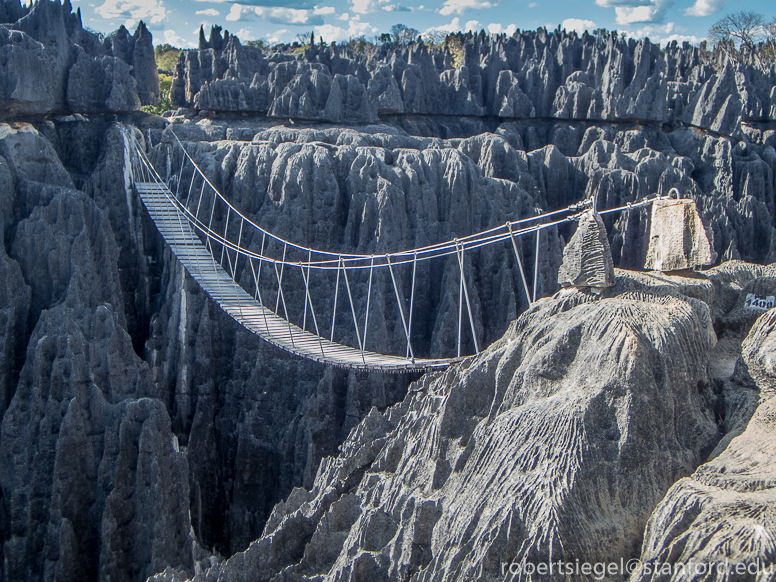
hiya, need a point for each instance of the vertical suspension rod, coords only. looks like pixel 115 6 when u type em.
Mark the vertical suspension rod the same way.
pixel 336 294
pixel 412 294
pixel 280 279
pixel 280 294
pixel 368 297
pixel 312 310
pixel 401 309
pixel 460 302
pixel 519 264
pixel 468 303
pixel 536 265
pixel 306 294
pixel 226 231
pixel 352 309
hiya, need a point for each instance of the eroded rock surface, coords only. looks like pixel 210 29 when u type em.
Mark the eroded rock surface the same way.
pixel 51 64
pixel 587 259
pixel 677 237
pixel 106 334
pixel 723 515
pixel 537 74
pixel 554 444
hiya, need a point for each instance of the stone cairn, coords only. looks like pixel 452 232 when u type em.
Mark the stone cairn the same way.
pixel 587 258
pixel 677 236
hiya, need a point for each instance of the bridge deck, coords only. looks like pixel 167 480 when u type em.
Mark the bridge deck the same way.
pixel 246 310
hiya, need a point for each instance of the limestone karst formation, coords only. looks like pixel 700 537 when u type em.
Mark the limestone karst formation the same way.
pixel 145 434
pixel 52 65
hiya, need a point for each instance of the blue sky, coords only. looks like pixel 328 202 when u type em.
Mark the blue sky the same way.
pixel 177 21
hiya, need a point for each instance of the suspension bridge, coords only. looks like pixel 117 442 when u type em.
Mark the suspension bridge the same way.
pixel 184 203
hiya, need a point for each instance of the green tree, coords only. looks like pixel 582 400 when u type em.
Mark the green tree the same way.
pixel 166 57
pixel 164 104
pixel 259 43
pixel 402 34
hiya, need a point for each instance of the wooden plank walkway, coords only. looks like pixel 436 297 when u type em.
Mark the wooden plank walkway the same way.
pixel 246 310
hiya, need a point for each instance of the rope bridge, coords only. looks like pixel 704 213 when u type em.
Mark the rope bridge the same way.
pixel 184 204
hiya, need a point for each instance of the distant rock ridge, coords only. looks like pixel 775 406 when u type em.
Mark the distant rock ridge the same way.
pixel 532 74
pixel 82 74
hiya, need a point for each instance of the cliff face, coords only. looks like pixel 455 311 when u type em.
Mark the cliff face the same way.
pixel 143 430
pixel 555 445
pixel 528 75
pixel 52 65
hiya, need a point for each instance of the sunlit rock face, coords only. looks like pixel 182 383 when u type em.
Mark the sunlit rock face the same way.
pixel 52 65
pixel 678 238
pixel 143 431
pixel 527 75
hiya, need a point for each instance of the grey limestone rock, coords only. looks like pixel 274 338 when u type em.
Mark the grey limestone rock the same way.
pixel 101 85
pixel 587 258
pixel 530 458
pixel 530 74
pixel 721 516
pixel 52 65
pixel 677 237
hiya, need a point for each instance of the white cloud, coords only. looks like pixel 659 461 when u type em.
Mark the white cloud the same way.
pixel 497 28
pixel 632 11
pixel 273 14
pixel 662 33
pixel 171 37
pixel 455 26
pixel 324 10
pixel 461 6
pixel 578 25
pixel 355 28
pixel 343 16
pixel 705 7
pixel 363 6
pixel 208 12
pixel 244 34
pixel 132 11
pixel 330 33
pixel 275 37
pixel 366 6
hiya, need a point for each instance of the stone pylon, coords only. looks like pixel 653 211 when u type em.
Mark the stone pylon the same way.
pixel 587 258
pixel 677 237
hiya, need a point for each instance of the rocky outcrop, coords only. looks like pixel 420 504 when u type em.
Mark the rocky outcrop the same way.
pixel 721 518
pixel 52 65
pixel 677 238
pixel 528 75
pixel 89 460
pixel 554 444
pixel 587 259
pixel 134 401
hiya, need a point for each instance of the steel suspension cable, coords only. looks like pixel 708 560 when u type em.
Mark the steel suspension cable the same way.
pixel 520 267
pixel 536 266
pixel 401 309
pixel 368 297
pixel 412 299
pixel 468 303
pixel 334 310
